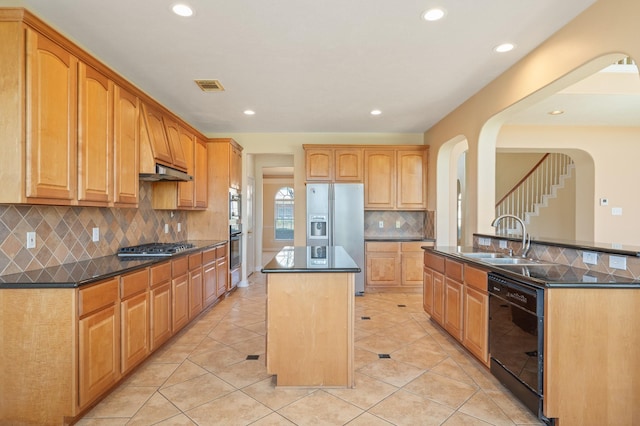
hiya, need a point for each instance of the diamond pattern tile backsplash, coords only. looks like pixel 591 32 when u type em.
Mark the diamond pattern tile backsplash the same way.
pixel 412 224
pixel 63 234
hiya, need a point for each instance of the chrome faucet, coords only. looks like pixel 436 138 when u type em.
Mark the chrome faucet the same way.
pixel 526 239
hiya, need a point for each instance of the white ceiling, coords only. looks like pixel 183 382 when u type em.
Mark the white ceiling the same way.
pixel 308 65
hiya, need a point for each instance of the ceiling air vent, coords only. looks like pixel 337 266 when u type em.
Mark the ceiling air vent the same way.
pixel 209 85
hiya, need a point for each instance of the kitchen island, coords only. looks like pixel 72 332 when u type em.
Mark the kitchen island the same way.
pixel 310 316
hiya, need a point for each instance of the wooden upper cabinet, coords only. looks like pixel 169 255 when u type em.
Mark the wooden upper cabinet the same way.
pixel 157 137
pixel 95 137
pixel 379 179
pixel 412 185
pixel 178 156
pixel 125 148
pixel 331 164
pixel 51 97
pixel 348 165
pixel 319 164
pixel 201 175
pixel 235 168
pixel 186 189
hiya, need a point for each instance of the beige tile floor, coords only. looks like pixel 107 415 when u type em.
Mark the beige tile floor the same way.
pixel 202 376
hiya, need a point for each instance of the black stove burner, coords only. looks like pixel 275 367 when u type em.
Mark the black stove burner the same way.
pixel 154 249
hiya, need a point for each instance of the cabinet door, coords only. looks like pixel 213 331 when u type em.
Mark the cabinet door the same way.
pixel 135 330
pixel 186 189
pixel 319 164
pixel 195 292
pixel 126 144
pixel 223 275
pixel 178 156
pixel 156 132
pixel 210 285
pixel 379 180
pixel 95 137
pixel 412 269
pixel 411 172
pixel 383 269
pixel 235 168
pixel 51 94
pixel 180 299
pixel 349 165
pixel 160 316
pixel 201 175
pixel 453 308
pixel 438 297
pixel 427 291
pixel 476 317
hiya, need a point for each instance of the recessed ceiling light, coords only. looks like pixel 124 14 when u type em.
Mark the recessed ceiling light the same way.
pixel 376 112
pixel 249 112
pixel 504 47
pixel 556 112
pixel 182 10
pixel 434 14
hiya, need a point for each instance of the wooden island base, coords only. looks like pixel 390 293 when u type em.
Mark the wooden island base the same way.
pixel 310 321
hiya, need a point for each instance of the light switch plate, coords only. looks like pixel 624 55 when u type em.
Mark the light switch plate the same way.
pixel 503 244
pixel 95 236
pixel 179 226
pixel 616 211
pixel 166 228
pixel 484 241
pixel 618 262
pixel 590 257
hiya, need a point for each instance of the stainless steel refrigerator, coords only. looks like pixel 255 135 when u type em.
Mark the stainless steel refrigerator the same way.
pixel 335 217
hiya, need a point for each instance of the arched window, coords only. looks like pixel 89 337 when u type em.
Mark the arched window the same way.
pixel 283 214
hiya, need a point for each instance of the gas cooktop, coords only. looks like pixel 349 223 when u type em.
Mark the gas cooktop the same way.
pixel 154 249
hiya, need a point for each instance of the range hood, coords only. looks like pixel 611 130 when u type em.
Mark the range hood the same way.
pixel 164 173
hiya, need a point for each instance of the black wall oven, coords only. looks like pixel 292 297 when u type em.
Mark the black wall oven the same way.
pixel 516 339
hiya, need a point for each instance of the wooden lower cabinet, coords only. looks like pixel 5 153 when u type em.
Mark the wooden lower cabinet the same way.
pixel 453 302
pixel 455 296
pixel 134 316
pixel 160 304
pixel 209 277
pixel 394 266
pixel 222 269
pixel 179 293
pixel 98 340
pixel 195 284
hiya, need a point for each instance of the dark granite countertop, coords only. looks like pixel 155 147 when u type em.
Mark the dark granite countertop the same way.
pixel 399 239
pixel 77 274
pixel 316 259
pixel 548 275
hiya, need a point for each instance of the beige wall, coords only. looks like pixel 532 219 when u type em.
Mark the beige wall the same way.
pixel 511 168
pixel 558 218
pixel 606 31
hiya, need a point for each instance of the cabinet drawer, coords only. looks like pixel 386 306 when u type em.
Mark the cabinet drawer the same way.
pixel 412 246
pixel 383 247
pixel 221 251
pixel 453 269
pixel 134 283
pixel 179 266
pixel 208 256
pixel 195 260
pixel 434 261
pixel 476 278
pixel 160 274
pixel 98 296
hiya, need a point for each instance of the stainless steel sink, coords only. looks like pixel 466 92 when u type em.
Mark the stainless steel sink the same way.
pixel 513 261
pixel 483 255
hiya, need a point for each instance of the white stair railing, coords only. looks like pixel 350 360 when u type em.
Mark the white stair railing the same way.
pixel 525 197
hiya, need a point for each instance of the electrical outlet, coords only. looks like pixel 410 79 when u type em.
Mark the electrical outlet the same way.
pixel 590 257
pixel 380 224
pixel 179 226
pixel 484 241
pixel 95 237
pixel 31 240
pixel 398 224
pixel 617 262
pixel 166 228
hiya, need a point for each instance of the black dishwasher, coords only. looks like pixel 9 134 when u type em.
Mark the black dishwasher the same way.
pixel 516 327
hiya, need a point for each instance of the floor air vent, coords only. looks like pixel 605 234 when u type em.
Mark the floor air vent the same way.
pixel 209 85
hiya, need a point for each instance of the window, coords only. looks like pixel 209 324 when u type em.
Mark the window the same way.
pixel 284 213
